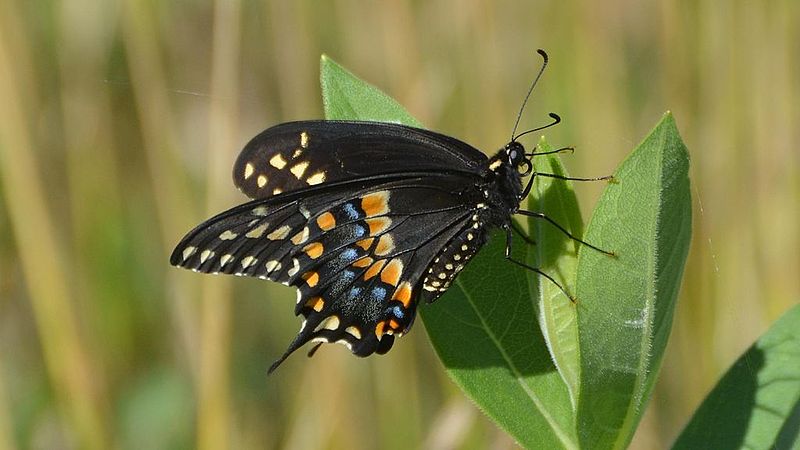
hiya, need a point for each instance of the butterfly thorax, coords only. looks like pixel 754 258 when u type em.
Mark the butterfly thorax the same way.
pixel 504 183
pixel 498 198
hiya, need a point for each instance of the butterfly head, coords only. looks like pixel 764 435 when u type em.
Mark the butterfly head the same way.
pixel 514 155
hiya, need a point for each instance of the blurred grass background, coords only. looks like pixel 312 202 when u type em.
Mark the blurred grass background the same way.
pixel 119 123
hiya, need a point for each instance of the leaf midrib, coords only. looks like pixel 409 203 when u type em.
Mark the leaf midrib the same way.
pixel 560 434
pixel 644 354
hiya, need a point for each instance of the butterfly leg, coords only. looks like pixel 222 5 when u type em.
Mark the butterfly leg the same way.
pixel 539 215
pixel 529 185
pixel 508 257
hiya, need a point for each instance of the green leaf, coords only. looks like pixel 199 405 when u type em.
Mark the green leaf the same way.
pixel 346 97
pixel 556 255
pixel 484 328
pixel 626 304
pixel 756 404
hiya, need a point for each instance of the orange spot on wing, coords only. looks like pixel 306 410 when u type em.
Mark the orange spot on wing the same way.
pixel 312 278
pixel 363 262
pixel 394 325
pixel 374 269
pixel 376 203
pixel 403 294
pixel 314 250
pixel 385 245
pixel 365 243
pixel 326 221
pixel 316 303
pixel 378 224
pixel 379 329
pixel 391 273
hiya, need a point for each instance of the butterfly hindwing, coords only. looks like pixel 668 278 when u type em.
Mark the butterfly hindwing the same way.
pixel 361 290
pixel 299 155
pixel 357 257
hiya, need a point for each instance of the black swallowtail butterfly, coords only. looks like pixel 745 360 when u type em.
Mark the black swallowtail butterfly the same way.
pixel 365 219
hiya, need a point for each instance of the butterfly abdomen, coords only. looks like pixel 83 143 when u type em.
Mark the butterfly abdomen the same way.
pixel 449 262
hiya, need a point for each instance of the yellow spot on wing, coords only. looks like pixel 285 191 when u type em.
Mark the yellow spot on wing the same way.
pixel 353 331
pixel 301 236
pixel 272 265
pixel 330 323
pixel 314 250
pixel 295 267
pixel 260 211
pixel 205 255
pixel 248 170
pixel 304 139
pixel 326 221
pixel 247 261
pixel 224 259
pixel 188 251
pixel 277 161
pixel 279 233
pixel 299 169
pixel 391 273
pixel 317 178
pixel 261 181
pixel 228 235
pixel 375 204
pixel 256 233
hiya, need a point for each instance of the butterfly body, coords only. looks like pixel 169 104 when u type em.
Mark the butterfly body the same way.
pixel 365 219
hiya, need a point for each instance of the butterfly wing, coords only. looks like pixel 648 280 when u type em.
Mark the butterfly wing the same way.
pixel 298 155
pixel 356 253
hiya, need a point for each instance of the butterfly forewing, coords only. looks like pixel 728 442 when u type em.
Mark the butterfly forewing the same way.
pixel 300 155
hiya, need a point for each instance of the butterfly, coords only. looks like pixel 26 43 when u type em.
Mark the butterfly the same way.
pixel 366 219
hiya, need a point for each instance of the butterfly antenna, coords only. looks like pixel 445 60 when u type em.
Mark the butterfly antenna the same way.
pixel 556 120
pixel 533 85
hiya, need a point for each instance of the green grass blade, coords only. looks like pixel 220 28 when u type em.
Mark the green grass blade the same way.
pixel 756 404
pixel 557 255
pixel 626 304
pixel 485 328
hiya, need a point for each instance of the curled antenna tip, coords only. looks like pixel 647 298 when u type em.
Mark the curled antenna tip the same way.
pixel 543 53
pixel 555 117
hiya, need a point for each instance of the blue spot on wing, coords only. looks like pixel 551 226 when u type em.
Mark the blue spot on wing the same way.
pixel 377 294
pixel 398 312
pixel 348 255
pixel 351 211
pixel 354 292
pixel 344 280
